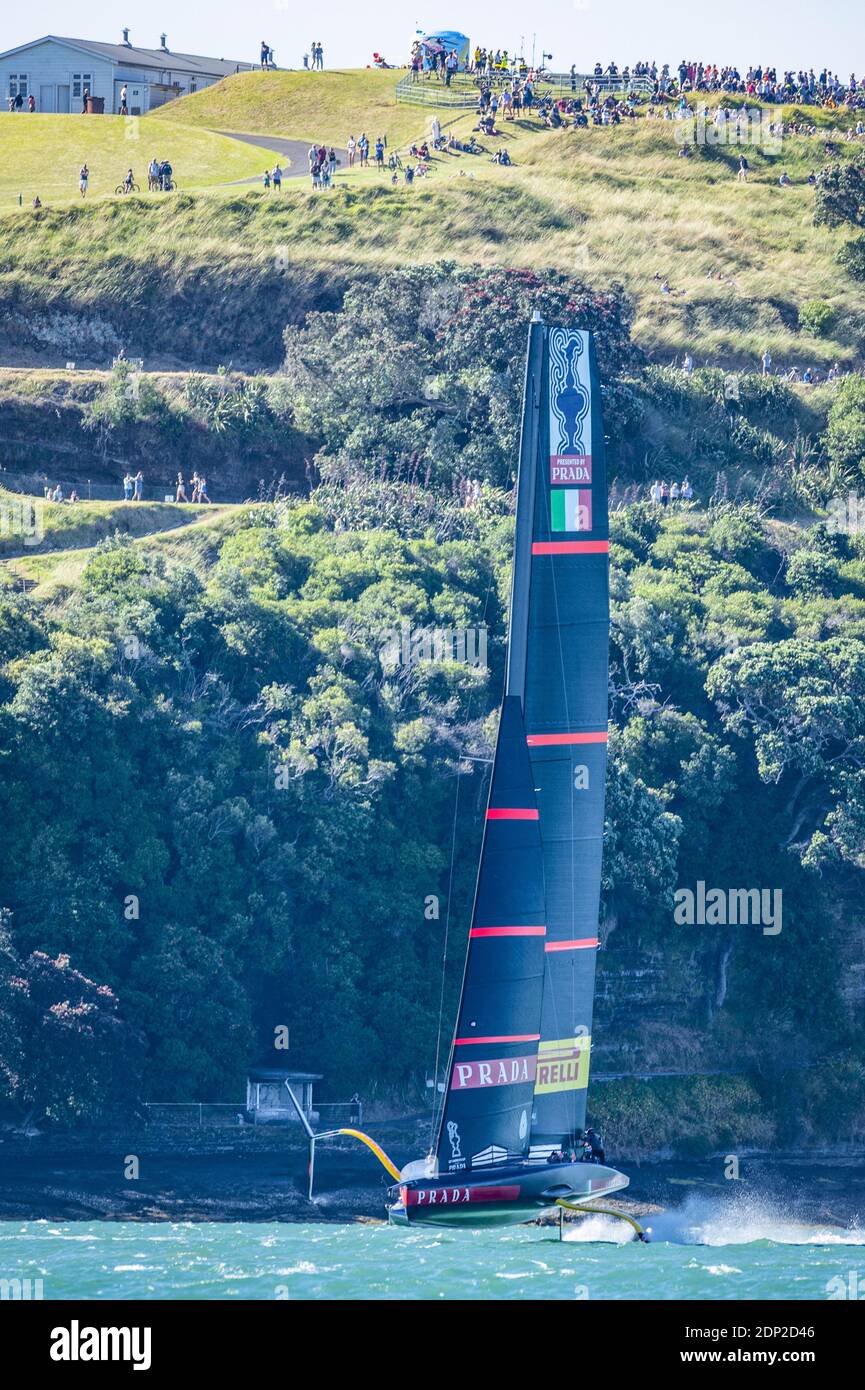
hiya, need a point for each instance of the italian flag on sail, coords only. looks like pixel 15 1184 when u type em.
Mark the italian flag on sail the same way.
pixel 571 509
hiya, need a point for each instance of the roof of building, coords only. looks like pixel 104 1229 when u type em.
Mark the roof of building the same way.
pixel 281 1074
pixel 129 54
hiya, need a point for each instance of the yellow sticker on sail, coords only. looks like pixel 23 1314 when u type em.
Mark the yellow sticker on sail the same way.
pixel 563 1065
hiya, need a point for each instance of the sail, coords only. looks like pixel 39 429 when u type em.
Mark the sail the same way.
pixel 558 664
pixel 491 1078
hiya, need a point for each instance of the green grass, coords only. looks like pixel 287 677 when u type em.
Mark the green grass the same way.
pixel 614 206
pixel 327 106
pixel 43 154
pixel 66 526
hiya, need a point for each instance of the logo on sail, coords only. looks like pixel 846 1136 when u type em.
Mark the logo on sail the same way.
pixel 571 510
pixel 498 1071
pixel 570 407
pixel 563 1065
pixel 454 1137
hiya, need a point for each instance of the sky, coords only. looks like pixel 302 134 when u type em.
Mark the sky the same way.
pixel 792 33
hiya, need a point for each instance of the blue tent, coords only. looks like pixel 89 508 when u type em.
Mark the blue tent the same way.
pixel 450 39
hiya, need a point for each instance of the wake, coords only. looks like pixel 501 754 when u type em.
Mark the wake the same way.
pixel 739 1219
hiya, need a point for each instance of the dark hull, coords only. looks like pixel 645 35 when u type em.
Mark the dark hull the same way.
pixel 500 1196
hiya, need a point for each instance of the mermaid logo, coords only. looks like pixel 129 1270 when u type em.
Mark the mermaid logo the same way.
pixel 570 409
pixel 454 1137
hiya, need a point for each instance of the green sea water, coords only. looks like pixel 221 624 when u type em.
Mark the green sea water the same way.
pixel 697 1252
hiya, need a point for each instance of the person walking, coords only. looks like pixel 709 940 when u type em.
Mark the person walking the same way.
pixel 180 490
pixel 351 147
pixel 742 175
pixel 124 109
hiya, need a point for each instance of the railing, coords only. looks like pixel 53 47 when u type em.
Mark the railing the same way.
pixel 428 89
pixel 339 1113
pixel 200 1112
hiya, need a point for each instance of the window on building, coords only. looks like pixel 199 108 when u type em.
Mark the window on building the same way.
pixel 80 80
pixel 18 84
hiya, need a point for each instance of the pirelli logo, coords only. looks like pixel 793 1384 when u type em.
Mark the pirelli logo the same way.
pixel 563 1065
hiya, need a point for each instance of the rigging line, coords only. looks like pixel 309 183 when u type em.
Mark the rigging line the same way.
pixel 434 1118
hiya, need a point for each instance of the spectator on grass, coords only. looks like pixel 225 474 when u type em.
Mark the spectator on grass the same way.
pixel 742 175
pixel 138 481
pixel 180 490
pixel 127 487
pixel 351 147
pixel 266 179
pixel 277 178
pixel 31 103
pixel 83 179
pixel 766 363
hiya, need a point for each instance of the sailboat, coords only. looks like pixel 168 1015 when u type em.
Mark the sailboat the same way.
pixel 518 1072
pixel 517 1077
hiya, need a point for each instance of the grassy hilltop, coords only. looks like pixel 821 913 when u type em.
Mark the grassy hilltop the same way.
pixel 614 205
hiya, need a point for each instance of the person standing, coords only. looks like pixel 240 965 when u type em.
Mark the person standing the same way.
pixel 138 494
pixel 352 146
pixel 83 179
pixel 766 363
pixel 85 97
pixel 124 109
pixel 277 178
pixel 127 488
pixel 31 103
pixel 180 490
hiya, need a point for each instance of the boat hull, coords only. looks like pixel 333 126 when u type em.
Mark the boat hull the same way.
pixel 502 1196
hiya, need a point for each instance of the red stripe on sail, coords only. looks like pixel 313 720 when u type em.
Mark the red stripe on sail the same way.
pixel 508 931
pixel 581 945
pixel 542 740
pixel 511 813
pixel 516 1037
pixel 570 547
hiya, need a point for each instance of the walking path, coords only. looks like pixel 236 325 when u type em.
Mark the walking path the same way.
pixel 293 151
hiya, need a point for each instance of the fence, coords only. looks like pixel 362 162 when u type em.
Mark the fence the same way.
pixel 200 1112
pixel 428 89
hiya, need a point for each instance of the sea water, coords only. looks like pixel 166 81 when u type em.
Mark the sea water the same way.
pixel 700 1250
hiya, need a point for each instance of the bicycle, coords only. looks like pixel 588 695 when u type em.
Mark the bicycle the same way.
pixel 127 188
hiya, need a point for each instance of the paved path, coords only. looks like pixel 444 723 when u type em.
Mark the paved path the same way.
pixel 293 151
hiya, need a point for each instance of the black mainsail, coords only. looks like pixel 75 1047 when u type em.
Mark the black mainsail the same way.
pixel 491 1080
pixel 520 1059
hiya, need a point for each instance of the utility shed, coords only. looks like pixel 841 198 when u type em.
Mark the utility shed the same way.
pixel 267 1098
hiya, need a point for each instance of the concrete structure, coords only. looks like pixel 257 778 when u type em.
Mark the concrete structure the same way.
pixel 57 72
pixel 268 1101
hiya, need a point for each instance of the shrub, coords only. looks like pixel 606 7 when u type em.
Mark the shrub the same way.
pixel 852 258
pixel 816 317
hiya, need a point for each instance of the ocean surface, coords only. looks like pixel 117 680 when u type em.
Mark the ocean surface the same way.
pixel 700 1250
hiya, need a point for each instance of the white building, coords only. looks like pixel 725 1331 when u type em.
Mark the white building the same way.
pixel 57 72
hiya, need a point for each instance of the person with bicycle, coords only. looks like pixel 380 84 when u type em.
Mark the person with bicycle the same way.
pixel 165 173
pixel 129 181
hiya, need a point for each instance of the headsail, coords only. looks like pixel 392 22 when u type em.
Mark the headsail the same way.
pixel 491 1077
pixel 558 666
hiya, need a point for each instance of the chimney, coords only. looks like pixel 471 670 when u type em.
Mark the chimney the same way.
pixel 162 43
pixel 126 38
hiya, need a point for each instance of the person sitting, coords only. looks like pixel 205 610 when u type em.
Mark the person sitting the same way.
pixel 556 1156
pixel 785 181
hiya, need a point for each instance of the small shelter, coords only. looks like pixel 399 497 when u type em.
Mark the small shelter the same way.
pixel 267 1098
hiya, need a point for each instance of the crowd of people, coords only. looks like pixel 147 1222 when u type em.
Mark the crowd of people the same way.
pixel 322 160
pixel 664 494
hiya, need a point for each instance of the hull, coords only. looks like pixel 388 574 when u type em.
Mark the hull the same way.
pixel 503 1196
